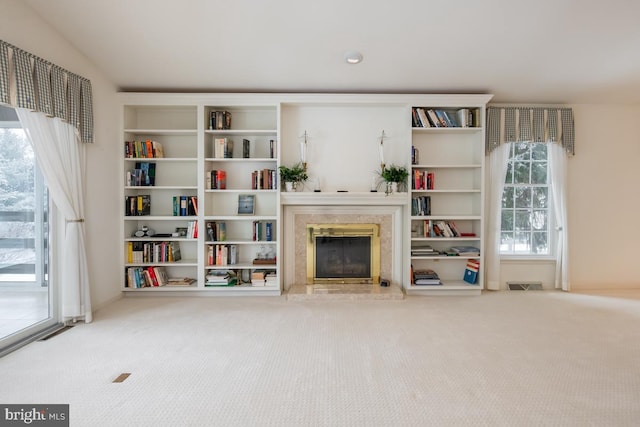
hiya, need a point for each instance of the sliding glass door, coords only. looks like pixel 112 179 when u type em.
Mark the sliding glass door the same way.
pixel 26 298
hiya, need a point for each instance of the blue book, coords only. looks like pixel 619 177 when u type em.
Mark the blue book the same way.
pixel 269 231
pixel 470 276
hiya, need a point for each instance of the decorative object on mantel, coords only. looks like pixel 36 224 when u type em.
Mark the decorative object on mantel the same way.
pixel 395 178
pixel 293 175
pixel 381 149
pixel 303 150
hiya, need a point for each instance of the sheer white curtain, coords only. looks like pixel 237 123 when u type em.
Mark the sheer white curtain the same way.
pixel 60 156
pixel 498 161
pixel 558 174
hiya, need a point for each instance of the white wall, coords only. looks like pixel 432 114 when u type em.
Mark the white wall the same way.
pixel 604 197
pixel 20 26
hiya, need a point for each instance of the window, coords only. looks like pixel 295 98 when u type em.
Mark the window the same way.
pixel 526 210
pixel 26 293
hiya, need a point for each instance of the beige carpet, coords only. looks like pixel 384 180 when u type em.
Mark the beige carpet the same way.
pixel 501 359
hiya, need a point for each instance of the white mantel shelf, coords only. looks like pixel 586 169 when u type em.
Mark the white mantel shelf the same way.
pixel 343 198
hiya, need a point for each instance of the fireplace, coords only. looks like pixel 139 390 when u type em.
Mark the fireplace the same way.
pixel 343 253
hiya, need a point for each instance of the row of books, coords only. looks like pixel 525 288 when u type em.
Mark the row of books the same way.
pixel 262 231
pixel 143 149
pixel 441 228
pixel 217 231
pixel 265 179
pixel 222 254
pixel 219 120
pixel 142 252
pixel 143 277
pixel 222 148
pixel 217 179
pixel 430 117
pixel 185 205
pixel 139 205
pixel 422 180
pixel 192 230
pixel 144 175
pixel 421 206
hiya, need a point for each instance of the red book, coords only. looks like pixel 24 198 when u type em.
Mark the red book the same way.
pixel 221 180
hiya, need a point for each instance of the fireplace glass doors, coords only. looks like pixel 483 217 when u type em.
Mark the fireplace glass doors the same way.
pixel 343 253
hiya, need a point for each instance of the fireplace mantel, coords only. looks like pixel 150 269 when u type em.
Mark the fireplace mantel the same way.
pixel 349 198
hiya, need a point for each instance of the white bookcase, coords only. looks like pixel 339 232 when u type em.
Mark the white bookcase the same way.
pixel 175 127
pixel 447 175
pixel 250 170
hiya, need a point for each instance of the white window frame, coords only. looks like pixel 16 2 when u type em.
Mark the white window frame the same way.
pixel 551 235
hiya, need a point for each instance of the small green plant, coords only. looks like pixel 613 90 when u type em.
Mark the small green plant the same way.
pixel 295 173
pixel 393 173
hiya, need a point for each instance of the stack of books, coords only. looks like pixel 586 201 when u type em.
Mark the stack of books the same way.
pixel 426 277
pixel 271 279
pixel 423 251
pixel 463 251
pixel 221 278
pixel 471 271
pixel 258 277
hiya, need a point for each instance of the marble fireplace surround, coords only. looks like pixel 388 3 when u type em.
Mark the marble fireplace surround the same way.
pixel 300 209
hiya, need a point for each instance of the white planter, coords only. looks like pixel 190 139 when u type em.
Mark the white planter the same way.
pixel 289 186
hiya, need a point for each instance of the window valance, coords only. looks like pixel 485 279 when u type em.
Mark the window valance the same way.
pixel 530 124
pixel 28 81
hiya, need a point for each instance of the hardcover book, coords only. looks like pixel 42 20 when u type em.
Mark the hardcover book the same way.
pixel 246 204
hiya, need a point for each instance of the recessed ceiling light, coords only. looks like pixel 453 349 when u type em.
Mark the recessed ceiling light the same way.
pixel 353 57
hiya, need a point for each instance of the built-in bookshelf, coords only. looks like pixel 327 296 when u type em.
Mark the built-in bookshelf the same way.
pixel 241 197
pixel 160 146
pixel 446 197
pixel 200 178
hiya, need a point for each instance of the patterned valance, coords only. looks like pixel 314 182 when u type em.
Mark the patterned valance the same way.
pixel 530 124
pixel 27 81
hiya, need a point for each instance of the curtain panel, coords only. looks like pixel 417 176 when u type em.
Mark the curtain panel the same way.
pixel 530 124
pixel 60 155
pixel 27 81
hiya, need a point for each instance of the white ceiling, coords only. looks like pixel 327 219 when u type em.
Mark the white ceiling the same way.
pixel 543 51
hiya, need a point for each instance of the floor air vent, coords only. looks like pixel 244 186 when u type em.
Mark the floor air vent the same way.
pixel 56 332
pixel 524 286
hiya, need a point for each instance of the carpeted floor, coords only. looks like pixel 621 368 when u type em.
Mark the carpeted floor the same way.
pixel 534 358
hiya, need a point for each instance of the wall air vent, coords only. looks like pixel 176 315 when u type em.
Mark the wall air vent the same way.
pixel 524 286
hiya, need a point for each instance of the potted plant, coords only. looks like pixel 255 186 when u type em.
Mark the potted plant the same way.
pixel 291 176
pixel 395 177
